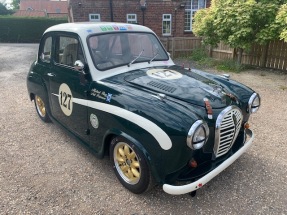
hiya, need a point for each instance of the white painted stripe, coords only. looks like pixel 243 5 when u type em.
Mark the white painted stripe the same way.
pixel 161 137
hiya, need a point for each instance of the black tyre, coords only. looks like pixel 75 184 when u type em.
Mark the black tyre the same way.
pixel 130 166
pixel 41 109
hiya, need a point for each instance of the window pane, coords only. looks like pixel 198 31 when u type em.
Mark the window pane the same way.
pixel 188 4
pixel 94 17
pixel 69 51
pixel 201 4
pixel 187 21
pixel 47 49
pixel 132 18
pixel 119 49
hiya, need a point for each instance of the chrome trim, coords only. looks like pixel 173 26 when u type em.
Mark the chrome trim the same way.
pixel 192 130
pixel 225 76
pixel 228 142
pixel 178 190
pixel 250 102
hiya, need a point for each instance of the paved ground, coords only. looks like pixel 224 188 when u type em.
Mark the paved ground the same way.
pixel 44 171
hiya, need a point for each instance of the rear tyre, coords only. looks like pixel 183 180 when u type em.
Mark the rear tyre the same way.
pixel 41 109
pixel 130 166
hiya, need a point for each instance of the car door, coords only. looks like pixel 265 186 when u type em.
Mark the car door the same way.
pixel 67 85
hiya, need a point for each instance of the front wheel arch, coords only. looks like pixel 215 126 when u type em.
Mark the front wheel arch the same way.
pixel 130 165
pixel 112 133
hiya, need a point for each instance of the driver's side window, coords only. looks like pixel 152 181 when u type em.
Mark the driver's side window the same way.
pixel 68 51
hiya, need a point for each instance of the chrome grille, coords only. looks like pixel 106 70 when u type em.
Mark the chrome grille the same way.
pixel 227 128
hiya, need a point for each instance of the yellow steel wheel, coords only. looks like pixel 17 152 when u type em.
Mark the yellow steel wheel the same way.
pixel 41 108
pixel 127 163
pixel 130 165
pixel 40 105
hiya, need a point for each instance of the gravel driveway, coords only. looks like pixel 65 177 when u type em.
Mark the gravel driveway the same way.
pixel 44 171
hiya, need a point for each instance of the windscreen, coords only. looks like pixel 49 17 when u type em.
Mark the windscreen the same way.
pixel 118 49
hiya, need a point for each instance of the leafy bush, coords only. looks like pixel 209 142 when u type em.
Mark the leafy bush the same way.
pixel 25 29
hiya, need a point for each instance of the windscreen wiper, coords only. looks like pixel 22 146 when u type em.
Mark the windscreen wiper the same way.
pixel 136 58
pixel 153 58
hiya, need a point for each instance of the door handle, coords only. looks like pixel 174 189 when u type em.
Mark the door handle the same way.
pixel 51 74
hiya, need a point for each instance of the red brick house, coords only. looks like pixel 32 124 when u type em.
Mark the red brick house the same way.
pixel 168 18
pixel 43 8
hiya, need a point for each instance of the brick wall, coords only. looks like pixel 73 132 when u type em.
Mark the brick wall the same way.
pixel 152 15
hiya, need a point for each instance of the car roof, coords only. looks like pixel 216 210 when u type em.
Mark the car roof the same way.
pixel 97 27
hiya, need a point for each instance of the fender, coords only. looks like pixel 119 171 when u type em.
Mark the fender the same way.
pixel 115 132
pixel 36 86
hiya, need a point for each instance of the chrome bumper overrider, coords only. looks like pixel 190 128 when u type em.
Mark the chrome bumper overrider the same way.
pixel 178 190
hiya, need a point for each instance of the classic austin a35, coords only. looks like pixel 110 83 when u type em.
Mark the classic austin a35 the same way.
pixel 115 88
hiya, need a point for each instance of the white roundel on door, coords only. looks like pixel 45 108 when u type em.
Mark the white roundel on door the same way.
pixel 94 120
pixel 66 99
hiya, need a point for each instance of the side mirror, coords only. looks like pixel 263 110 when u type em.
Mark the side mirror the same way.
pixel 82 68
pixel 79 65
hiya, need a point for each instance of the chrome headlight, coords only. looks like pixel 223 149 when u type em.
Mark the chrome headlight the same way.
pixel 197 135
pixel 253 103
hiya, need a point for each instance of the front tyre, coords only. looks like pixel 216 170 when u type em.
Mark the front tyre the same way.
pixel 41 109
pixel 130 166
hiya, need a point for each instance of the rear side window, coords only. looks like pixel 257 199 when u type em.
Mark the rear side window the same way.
pixel 46 51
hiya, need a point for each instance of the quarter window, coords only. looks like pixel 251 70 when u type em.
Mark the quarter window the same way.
pixel 191 7
pixel 46 51
pixel 132 18
pixel 166 24
pixel 94 17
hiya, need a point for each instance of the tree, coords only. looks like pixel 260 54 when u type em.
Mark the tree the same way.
pixel 4 10
pixel 238 23
pixel 281 21
pixel 16 4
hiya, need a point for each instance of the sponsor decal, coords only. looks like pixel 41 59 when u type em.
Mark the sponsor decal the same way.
pixel 123 28
pixel 129 27
pixel 99 94
pixel 109 97
pixel 94 120
pixel 164 74
pixel 65 99
pixel 116 28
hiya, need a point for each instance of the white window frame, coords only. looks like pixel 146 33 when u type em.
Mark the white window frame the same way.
pixel 164 19
pixel 91 19
pixel 133 20
pixel 189 13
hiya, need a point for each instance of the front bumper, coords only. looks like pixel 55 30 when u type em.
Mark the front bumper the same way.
pixel 178 190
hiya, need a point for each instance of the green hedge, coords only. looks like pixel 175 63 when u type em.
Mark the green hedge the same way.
pixel 25 29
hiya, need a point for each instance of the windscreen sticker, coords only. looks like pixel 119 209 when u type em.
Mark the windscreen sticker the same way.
pixel 116 28
pixel 164 74
pixel 66 99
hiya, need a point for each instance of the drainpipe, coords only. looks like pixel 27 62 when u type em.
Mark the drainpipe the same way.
pixel 111 10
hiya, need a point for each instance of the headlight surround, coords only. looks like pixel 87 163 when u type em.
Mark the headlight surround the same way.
pixel 253 103
pixel 198 135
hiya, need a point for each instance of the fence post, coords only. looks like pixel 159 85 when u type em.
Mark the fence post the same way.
pixel 264 55
pixel 172 47
pixel 210 49
pixel 234 53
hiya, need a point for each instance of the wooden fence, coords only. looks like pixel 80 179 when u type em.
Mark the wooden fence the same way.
pixel 181 46
pixel 273 55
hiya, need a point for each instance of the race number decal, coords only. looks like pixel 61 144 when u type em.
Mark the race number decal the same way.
pixel 165 74
pixel 65 99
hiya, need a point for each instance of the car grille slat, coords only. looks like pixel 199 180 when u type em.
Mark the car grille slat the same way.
pixel 228 125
